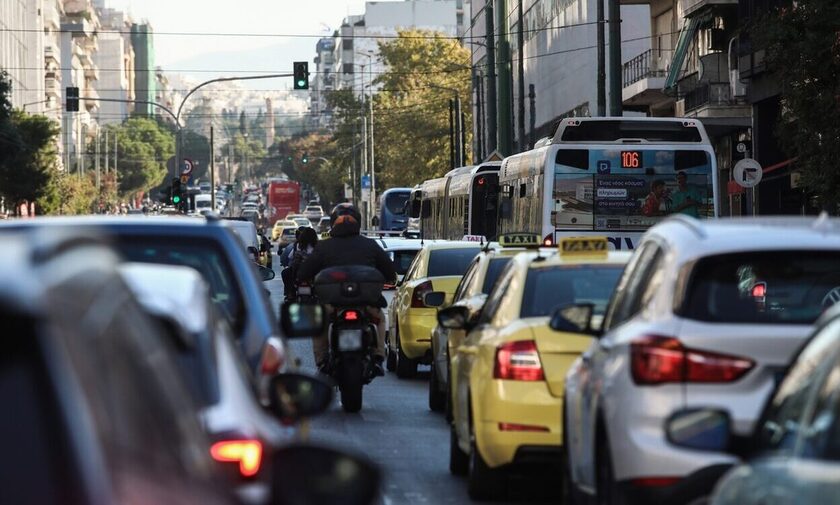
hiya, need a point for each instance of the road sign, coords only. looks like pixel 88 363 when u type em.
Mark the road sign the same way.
pixel 747 173
pixel 186 166
pixel 365 182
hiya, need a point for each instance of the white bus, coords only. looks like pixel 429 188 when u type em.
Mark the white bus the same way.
pixel 464 202
pixel 609 176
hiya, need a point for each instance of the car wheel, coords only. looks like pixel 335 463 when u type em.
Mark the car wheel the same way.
pixel 448 400
pixel 570 493
pixel 458 460
pixel 406 368
pixel 437 400
pixel 607 492
pixel 483 483
pixel 391 360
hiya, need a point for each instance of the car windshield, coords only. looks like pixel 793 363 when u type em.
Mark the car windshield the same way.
pixel 551 287
pixel 289 231
pixel 443 262
pixel 770 287
pixel 204 256
pixel 493 270
pixel 202 204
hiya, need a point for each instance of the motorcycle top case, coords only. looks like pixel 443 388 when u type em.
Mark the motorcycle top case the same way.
pixel 349 285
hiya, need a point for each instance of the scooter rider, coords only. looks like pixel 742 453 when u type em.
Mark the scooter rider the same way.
pixel 344 248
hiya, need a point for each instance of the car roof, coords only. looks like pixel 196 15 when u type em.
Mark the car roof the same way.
pixel 450 244
pixel 177 292
pixel 556 259
pixel 692 238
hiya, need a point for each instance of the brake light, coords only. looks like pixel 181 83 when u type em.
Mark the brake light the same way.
pixel 759 290
pixel 388 287
pixel 521 427
pixel 481 181
pixel 418 294
pixel 548 241
pixel 351 315
pixel 272 358
pixel 518 361
pixel 248 453
pixel 656 359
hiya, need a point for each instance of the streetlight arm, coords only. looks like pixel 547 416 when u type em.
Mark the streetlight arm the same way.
pixel 146 102
pixel 223 79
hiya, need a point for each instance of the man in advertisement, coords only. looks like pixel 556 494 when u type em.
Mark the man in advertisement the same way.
pixel 686 199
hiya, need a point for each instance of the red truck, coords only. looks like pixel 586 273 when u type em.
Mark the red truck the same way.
pixel 283 199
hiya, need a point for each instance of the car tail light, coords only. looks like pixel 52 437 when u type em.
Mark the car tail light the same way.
pixel 518 361
pixel 273 358
pixel 654 481
pixel 389 287
pixel 656 359
pixel 247 453
pixel 418 294
pixel 548 241
pixel 350 315
pixel 521 427
pixel 759 290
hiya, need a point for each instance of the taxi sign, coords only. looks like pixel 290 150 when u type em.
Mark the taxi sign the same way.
pixel 474 238
pixel 519 240
pixel 584 246
pixel 325 235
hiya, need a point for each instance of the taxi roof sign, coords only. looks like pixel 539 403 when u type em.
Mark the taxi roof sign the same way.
pixel 519 240
pixel 584 246
pixel 325 235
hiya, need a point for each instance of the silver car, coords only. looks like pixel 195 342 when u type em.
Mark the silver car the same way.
pixel 794 454
pixel 706 313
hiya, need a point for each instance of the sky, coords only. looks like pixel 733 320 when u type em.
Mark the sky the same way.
pixel 176 53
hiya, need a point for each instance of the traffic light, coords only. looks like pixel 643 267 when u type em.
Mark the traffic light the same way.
pixel 175 191
pixel 301 75
pixel 305 158
pixel 72 104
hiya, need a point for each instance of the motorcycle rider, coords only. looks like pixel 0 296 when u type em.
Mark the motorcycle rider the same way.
pixel 347 247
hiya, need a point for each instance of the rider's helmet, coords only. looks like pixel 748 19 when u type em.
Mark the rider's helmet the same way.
pixel 345 220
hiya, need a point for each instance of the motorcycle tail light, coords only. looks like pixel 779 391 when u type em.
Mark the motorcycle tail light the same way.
pixel 350 315
pixel 246 452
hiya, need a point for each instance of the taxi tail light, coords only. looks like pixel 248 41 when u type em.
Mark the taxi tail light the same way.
pixel 273 357
pixel 418 294
pixel 656 359
pixel 247 453
pixel 518 361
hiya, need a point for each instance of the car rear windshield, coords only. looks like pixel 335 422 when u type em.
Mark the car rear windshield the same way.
pixel 771 287
pixel 289 231
pixel 552 287
pixel 493 270
pixel 202 255
pixel 403 259
pixel 443 262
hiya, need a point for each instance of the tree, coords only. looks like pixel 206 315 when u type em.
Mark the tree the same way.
pixel 802 43
pixel 28 165
pixel 144 147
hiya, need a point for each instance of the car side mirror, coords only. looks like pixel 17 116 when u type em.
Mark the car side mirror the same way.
pixel 322 476
pixel 434 299
pixel 295 396
pixel 266 273
pixel 302 320
pixel 700 429
pixel 574 318
pixel 454 318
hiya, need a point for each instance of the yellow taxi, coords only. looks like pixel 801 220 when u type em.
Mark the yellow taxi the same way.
pixel 280 225
pixel 471 292
pixel 437 267
pixel 507 374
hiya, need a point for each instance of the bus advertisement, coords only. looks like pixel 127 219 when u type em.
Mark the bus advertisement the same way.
pixel 283 199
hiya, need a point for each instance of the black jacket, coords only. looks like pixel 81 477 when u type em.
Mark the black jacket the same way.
pixel 345 251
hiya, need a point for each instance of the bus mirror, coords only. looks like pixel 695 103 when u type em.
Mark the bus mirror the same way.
pixel 414 211
pixel 427 209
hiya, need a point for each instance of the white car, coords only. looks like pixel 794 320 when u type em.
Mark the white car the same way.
pixel 313 212
pixel 707 313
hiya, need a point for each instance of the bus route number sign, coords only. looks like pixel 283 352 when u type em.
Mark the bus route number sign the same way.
pixel 631 159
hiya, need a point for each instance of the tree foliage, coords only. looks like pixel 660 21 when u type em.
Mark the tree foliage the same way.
pixel 802 43
pixel 144 146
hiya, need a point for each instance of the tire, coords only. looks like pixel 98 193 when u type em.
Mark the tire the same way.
pixel 484 483
pixel 406 368
pixel 350 383
pixel 607 492
pixel 459 462
pixel 437 400
pixel 391 359
pixel 569 491
pixel 448 400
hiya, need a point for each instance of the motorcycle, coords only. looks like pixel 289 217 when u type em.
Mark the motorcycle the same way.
pixel 350 290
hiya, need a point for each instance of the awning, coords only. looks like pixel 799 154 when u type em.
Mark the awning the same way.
pixel 683 43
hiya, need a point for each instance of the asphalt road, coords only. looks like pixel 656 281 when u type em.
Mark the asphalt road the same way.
pixel 397 430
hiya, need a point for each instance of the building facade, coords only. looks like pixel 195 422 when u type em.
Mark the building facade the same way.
pixel 22 52
pixel 145 80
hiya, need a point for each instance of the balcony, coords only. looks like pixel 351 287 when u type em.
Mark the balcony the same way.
pixel 643 82
pixel 92 73
pixel 51 55
pixel 52 87
pixel 712 100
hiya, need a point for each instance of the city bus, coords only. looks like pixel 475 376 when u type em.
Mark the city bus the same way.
pixel 283 199
pixel 462 203
pixel 614 177
pixel 392 214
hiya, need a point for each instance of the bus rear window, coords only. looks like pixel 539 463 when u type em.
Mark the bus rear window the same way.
pixel 612 131
pixel 395 202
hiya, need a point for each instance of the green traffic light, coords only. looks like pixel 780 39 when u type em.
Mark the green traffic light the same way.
pixel 176 199
pixel 301 83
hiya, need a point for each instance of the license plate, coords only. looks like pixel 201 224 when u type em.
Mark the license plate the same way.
pixel 349 340
pixel 304 290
